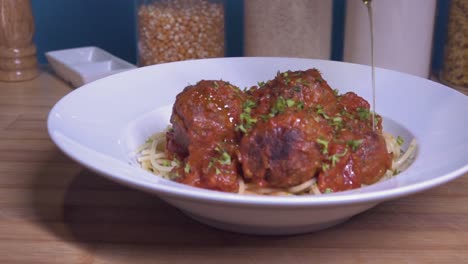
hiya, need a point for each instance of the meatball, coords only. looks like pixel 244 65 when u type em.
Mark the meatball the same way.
pixel 204 114
pixel 356 113
pixel 372 157
pixel 214 168
pixel 354 159
pixel 339 172
pixel 304 88
pixel 283 151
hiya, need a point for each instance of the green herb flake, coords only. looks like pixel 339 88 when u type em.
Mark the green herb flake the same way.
pixel 347 114
pixel 354 144
pixel 285 74
pixel 225 158
pixel 290 102
pixel 324 144
pixel 242 128
pixel 246 120
pixel 187 168
pixel 336 92
pixel 337 119
pixel 363 113
pixel 217 171
pixel 166 163
pixel 216 85
pixel 300 105
pixel 320 111
pixel 328 190
pixel 261 84
pixel 265 117
pixel 249 104
pixel 279 106
pixel 325 166
pixel 336 157
pixel 400 141
pixel 211 164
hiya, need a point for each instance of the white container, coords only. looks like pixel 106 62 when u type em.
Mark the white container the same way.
pixel 299 28
pixel 403 31
pixel 79 66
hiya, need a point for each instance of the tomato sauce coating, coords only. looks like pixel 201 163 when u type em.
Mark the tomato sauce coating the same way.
pixel 278 134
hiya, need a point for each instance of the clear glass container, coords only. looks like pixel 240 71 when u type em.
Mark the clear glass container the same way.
pixel 455 66
pixel 174 30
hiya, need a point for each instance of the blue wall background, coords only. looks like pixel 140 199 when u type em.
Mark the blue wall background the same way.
pixel 111 25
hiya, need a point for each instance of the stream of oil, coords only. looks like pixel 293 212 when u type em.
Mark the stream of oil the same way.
pixel 368 4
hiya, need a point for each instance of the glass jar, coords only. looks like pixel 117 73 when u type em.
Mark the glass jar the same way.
pixel 455 67
pixel 402 40
pixel 174 30
pixel 300 28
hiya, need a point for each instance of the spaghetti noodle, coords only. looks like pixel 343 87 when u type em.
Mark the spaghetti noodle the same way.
pixel 151 156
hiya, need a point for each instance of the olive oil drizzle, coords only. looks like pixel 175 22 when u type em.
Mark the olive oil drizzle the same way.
pixel 368 4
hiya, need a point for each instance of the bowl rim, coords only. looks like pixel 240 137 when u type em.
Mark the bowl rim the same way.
pixel 175 191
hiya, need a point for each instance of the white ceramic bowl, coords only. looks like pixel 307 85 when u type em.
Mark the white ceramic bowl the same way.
pixel 102 123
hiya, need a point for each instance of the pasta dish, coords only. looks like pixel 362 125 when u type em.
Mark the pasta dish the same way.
pixel 291 135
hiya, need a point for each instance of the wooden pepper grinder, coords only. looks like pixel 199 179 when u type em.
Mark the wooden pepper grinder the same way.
pixel 17 51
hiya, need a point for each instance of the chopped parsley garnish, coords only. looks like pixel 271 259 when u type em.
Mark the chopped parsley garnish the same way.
pixel 246 120
pixel 346 114
pixel 320 111
pixel 354 144
pixel 249 104
pixel 260 84
pixel 166 163
pixel 216 85
pixel 324 144
pixel 279 106
pixel 337 122
pixel 336 157
pixel 337 119
pixel 336 92
pixel 290 102
pixel 285 74
pixel 328 190
pixel 363 113
pixel 325 166
pixel 225 158
pixel 400 141
pixel 265 117
pixel 300 105
pixel 187 168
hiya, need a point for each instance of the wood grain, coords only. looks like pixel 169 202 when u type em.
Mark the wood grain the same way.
pixel 54 211
pixel 17 52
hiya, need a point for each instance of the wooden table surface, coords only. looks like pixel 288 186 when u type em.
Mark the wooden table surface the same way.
pixel 52 210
